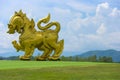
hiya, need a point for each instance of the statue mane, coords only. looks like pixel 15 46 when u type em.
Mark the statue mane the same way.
pixel 24 20
pixel 20 13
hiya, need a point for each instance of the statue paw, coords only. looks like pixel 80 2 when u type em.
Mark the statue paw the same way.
pixel 14 42
pixel 39 58
pixel 54 58
pixel 24 58
pixel 16 46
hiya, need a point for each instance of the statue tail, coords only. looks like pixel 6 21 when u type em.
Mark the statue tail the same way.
pixel 49 25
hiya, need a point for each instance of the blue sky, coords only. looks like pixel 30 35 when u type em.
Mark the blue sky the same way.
pixel 85 24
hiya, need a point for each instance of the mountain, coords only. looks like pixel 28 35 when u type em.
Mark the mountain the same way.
pixel 108 53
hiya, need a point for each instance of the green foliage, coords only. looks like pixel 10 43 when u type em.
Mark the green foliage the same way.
pixel 92 58
pixel 105 59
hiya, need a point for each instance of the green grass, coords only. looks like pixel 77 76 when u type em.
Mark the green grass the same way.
pixel 58 70
pixel 40 64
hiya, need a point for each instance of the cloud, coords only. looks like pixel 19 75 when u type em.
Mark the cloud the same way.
pixel 1 24
pixel 102 6
pixel 115 12
pixel 102 29
pixel 79 6
pixel 74 25
pixel 95 32
pixel 61 11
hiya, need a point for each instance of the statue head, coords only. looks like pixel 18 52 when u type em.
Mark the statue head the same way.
pixel 16 22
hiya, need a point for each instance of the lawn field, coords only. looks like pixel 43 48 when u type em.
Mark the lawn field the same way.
pixel 58 70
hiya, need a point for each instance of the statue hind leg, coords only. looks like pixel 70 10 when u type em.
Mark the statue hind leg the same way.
pixel 45 54
pixel 58 48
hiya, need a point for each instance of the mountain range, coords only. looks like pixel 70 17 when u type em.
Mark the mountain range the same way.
pixel 100 53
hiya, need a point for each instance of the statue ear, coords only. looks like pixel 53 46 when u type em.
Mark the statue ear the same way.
pixel 32 23
pixel 15 12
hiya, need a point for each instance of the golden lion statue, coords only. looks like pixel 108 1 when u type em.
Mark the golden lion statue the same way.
pixel 29 39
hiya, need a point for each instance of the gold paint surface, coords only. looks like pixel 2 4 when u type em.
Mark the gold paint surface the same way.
pixel 45 39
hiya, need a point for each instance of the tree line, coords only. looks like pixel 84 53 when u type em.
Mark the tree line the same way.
pixel 9 58
pixel 93 58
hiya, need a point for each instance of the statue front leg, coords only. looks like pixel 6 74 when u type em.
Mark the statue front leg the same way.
pixel 16 45
pixel 28 53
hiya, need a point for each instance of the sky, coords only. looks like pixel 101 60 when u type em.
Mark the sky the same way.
pixel 85 24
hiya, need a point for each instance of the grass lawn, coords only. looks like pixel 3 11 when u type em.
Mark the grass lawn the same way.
pixel 58 70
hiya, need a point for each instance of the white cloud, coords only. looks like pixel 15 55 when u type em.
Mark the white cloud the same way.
pixel 1 25
pixel 102 5
pixel 115 12
pixel 102 9
pixel 95 32
pixel 112 40
pixel 74 25
pixel 61 11
pixel 102 29
pixel 76 5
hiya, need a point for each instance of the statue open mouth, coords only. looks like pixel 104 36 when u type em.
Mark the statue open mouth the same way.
pixel 11 30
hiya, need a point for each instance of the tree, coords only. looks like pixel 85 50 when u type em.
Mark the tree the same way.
pixel 100 59
pixel 13 58
pixel 76 58
pixel 92 58
pixel 70 58
pixel 109 59
pixel 1 58
pixel 63 58
pixel 105 59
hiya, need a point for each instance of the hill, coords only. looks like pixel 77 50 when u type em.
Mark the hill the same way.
pixel 100 53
